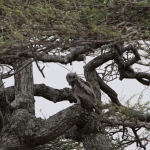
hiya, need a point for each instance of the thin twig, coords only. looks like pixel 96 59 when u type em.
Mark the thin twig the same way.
pixel 64 67
pixel 35 59
pixel 4 76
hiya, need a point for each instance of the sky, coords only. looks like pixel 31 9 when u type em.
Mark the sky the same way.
pixel 55 76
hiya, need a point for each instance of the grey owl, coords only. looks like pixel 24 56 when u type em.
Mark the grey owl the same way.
pixel 82 91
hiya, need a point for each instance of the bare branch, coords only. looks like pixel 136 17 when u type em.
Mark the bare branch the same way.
pixel 7 75
pixel 139 143
pixel 75 54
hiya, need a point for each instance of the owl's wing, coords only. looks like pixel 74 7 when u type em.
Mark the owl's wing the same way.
pixel 86 86
pixel 84 94
pixel 85 82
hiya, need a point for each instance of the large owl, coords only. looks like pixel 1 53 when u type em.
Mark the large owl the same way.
pixel 82 91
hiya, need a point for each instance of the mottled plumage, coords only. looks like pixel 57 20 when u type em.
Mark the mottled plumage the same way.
pixel 82 91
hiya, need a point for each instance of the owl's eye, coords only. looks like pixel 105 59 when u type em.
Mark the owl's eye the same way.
pixel 73 77
pixel 69 77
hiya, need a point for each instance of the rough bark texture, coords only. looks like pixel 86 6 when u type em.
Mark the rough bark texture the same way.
pixel 96 141
pixel 114 32
pixel 24 97
pixel 24 100
pixel 27 130
pixel 1 121
pixel 1 115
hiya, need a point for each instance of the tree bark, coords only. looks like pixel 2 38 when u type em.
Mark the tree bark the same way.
pixel 24 96
pixel 96 141
pixel 24 100
pixel 23 128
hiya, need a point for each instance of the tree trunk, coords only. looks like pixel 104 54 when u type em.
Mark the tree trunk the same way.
pixel 23 129
pixel 24 101
pixel 24 96
pixel 96 141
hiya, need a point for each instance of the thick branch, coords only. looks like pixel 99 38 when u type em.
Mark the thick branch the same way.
pixel 144 82
pixel 125 69
pixel 53 127
pixel 57 95
pixel 98 61
pixel 101 59
pixel 91 74
pixel 135 59
pixel 52 94
pixel 75 54
pixel 94 139
pixel 36 131
pixel 109 91
pixel 24 97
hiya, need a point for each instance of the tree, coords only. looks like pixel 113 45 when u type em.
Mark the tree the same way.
pixel 115 32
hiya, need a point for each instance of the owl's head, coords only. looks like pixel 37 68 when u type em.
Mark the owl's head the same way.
pixel 71 77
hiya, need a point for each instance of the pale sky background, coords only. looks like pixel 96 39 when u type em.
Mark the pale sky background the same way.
pixel 56 78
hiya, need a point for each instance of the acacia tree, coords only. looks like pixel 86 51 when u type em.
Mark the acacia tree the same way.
pixel 115 32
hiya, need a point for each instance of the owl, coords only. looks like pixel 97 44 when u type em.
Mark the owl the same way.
pixel 82 91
